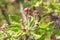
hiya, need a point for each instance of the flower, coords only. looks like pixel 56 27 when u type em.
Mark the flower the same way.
pixel 36 24
pixel 22 20
pixel 35 12
pixel 12 1
pixel 58 38
pixel 29 16
pixel 4 26
pixel 23 29
pixel 26 10
pixel 52 37
pixel 58 20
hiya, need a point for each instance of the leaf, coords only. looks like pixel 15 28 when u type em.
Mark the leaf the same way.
pixel 38 36
pixel 52 6
pixel 14 18
pixel 50 23
pixel 37 4
pixel 43 25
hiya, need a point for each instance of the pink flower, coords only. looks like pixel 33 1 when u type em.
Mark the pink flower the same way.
pixel 58 38
pixel 26 10
pixel 4 26
pixel 58 20
pixel 36 24
pixel 22 20
pixel 52 37
pixel 29 16
pixel 23 29
pixel 12 1
pixel 35 12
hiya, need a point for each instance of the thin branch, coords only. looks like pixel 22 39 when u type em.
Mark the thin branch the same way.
pixel 21 10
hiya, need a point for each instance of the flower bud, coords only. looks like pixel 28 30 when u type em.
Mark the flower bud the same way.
pixel 58 38
pixel 52 37
pixel 26 10
pixel 12 1
pixel 35 12
pixel 22 20
pixel 29 16
pixel 36 24
pixel 23 29
pixel 58 20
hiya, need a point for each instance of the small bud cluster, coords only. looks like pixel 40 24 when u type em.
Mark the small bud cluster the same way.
pixel 27 10
pixel 29 18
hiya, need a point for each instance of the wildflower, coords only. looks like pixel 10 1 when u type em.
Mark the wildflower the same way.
pixel 26 10
pixel 35 12
pixel 52 37
pixel 36 24
pixel 58 20
pixel 29 16
pixel 22 20
pixel 23 29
